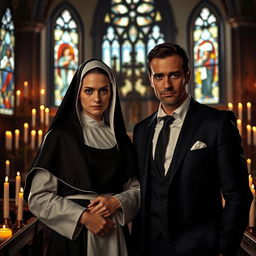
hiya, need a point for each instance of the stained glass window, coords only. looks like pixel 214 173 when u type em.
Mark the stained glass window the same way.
pixel 7 64
pixel 66 53
pixel 206 57
pixel 133 29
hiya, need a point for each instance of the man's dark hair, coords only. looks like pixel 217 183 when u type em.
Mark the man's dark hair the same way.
pixel 165 50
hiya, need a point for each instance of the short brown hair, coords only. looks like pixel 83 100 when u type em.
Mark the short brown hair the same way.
pixel 165 50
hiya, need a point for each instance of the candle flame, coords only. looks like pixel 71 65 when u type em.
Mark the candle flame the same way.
pixel 25 125
pixel 7 162
pixel 18 173
pixel 25 83
pixel 42 91
pixel 238 121
pixel 4 226
pixel 33 132
pixel 254 128
pixel 248 127
pixel 17 131
pixel 240 105
pixel 252 186
pixel 21 190
pixel 42 107
pixel 249 104
pixel 249 160
pixel 33 110
pixel 8 133
pixel 46 110
pixel 18 92
pixel 6 179
pixel 40 132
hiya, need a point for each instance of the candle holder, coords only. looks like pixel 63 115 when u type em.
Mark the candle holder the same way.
pixel 18 225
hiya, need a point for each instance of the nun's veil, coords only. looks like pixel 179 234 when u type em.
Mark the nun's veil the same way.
pixel 61 151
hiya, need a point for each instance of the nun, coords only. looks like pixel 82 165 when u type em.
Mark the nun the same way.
pixel 82 183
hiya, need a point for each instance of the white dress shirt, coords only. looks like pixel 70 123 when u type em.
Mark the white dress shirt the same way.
pixel 179 115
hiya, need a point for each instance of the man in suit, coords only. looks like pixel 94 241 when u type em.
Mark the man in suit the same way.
pixel 181 183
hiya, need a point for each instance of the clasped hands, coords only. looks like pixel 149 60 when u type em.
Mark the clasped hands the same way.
pixel 96 218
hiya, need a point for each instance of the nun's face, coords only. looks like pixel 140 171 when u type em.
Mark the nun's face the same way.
pixel 94 95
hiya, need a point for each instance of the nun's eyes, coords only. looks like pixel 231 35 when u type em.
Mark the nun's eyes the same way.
pixel 88 91
pixel 104 90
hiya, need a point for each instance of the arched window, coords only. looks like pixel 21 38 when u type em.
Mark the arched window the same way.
pixel 129 30
pixel 206 48
pixel 7 42
pixel 66 42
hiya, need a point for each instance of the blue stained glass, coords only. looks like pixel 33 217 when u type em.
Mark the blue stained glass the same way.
pixel 7 42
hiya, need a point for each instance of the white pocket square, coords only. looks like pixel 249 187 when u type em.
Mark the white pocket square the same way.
pixel 198 145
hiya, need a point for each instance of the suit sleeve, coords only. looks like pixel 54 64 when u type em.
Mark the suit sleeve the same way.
pixel 234 181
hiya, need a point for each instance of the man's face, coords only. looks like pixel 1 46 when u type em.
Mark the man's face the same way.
pixel 169 81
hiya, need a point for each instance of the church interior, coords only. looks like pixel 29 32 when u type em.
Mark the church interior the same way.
pixel 42 43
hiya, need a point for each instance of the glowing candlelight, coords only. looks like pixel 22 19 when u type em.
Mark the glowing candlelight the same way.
pixel 7 168
pixel 230 106
pixel 33 117
pixel 252 209
pixel 6 198
pixel 47 117
pixel 249 113
pixel 26 89
pixel 254 135
pixel 40 136
pixel 25 132
pixel 249 165
pixel 18 93
pixel 33 138
pixel 5 233
pixel 17 187
pixel 249 134
pixel 240 111
pixel 239 126
pixel 42 95
pixel 17 138
pixel 42 107
pixel 250 180
pixel 8 140
pixel 20 205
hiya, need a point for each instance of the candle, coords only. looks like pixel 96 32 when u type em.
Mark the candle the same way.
pixel 17 136
pixel 25 132
pixel 8 140
pixel 40 136
pixel 42 114
pixel 20 205
pixel 230 106
pixel 249 165
pixel 18 92
pixel 249 134
pixel 47 120
pixel 250 180
pixel 5 233
pixel 26 89
pixel 249 113
pixel 252 209
pixel 42 94
pixel 6 198
pixel 33 117
pixel 17 187
pixel 239 126
pixel 33 137
pixel 240 111
pixel 7 168
pixel 254 135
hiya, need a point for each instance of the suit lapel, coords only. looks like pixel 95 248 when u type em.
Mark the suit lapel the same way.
pixel 187 133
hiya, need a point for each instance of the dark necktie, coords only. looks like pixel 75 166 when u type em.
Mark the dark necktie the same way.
pixel 162 142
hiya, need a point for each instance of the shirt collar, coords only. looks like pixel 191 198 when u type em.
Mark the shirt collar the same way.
pixel 178 113
pixel 89 121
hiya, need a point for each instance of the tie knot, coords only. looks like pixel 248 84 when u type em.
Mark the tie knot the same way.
pixel 168 120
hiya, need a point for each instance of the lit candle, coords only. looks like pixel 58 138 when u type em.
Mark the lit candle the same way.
pixel 249 134
pixel 33 117
pixel 42 107
pixel 8 140
pixel 6 198
pixel 240 111
pixel 47 118
pixel 25 132
pixel 254 135
pixel 20 205
pixel 239 126
pixel 33 138
pixel 5 233
pixel 252 209
pixel 249 113
pixel 18 98
pixel 40 136
pixel 17 188
pixel 17 137
pixel 230 106
pixel 250 180
pixel 42 94
pixel 249 165
pixel 7 168
pixel 26 89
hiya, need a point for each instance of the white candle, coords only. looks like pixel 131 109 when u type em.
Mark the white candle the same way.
pixel 47 118
pixel 42 94
pixel 17 138
pixel 7 168
pixel 252 209
pixel 26 89
pixel 42 114
pixel 17 187
pixel 254 135
pixel 33 138
pixel 25 132
pixel 240 111
pixel 20 205
pixel 8 140
pixel 250 180
pixel 6 198
pixel 40 136
pixel 239 126
pixel 249 134
pixel 230 106
pixel 5 233
pixel 249 165
pixel 18 98
pixel 249 113
pixel 33 117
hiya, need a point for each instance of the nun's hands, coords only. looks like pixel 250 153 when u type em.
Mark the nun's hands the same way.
pixel 104 205
pixel 97 224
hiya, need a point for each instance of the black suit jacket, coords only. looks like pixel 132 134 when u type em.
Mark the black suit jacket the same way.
pixel 197 222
